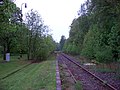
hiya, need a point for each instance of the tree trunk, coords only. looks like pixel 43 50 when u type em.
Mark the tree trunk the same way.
pixel 29 46
pixel 33 46
pixel 28 56
pixel 28 53
pixel 4 52
pixel 8 48
pixel 29 50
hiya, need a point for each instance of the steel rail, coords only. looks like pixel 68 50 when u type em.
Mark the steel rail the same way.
pixel 104 82
pixel 69 71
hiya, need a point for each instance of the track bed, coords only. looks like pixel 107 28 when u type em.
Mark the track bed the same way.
pixel 89 82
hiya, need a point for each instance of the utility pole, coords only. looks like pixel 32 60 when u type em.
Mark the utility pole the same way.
pixel 21 20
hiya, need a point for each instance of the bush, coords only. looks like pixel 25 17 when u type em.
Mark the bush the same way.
pixel 44 48
pixel 104 55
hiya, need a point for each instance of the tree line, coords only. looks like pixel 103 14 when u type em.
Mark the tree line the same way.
pixel 95 34
pixel 30 36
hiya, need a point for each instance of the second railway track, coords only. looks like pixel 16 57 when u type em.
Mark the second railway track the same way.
pixel 89 80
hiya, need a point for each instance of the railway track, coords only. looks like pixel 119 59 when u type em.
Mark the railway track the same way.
pixel 89 80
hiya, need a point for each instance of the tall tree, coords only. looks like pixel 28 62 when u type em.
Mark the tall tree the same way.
pixel 62 41
pixel 40 43
pixel 7 27
pixel 35 24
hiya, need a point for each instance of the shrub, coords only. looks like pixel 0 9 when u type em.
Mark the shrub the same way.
pixel 104 55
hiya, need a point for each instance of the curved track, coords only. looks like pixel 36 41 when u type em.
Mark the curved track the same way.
pixel 89 80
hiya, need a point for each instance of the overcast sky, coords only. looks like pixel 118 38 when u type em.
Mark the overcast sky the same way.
pixel 57 14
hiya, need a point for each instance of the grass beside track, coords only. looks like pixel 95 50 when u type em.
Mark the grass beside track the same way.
pixel 37 76
pixel 78 86
pixel 14 64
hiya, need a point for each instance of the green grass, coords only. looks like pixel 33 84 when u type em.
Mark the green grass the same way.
pixel 37 76
pixel 78 86
pixel 104 70
pixel 12 65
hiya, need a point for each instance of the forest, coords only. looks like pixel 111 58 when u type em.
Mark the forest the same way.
pixel 29 36
pixel 95 34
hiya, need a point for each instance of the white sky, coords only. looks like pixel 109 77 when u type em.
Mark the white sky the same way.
pixel 57 14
